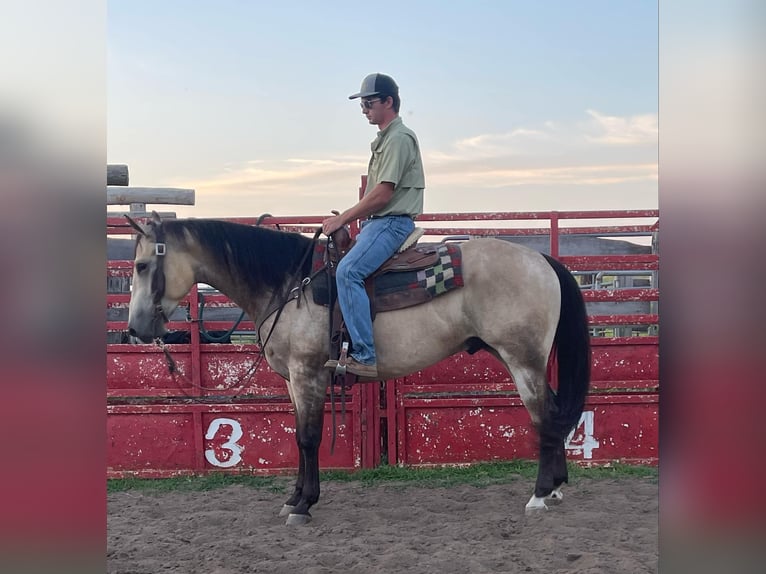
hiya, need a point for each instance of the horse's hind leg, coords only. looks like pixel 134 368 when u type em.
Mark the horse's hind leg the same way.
pixel 560 474
pixel 549 459
pixel 536 394
pixel 552 471
pixel 551 474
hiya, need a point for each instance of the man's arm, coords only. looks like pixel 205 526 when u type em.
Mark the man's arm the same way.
pixel 378 197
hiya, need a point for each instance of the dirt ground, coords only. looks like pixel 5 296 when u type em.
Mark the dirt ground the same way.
pixel 602 526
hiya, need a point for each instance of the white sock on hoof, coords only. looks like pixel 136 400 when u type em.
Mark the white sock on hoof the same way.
pixel 286 509
pixel 535 504
pixel 556 494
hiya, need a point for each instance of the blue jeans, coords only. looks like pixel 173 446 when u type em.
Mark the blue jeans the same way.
pixel 377 241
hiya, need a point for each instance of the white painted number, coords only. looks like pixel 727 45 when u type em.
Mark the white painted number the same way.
pixel 584 443
pixel 231 444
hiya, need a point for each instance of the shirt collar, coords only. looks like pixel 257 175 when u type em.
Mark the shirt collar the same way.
pixel 395 122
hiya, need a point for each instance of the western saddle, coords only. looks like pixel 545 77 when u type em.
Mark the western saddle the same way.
pixel 410 256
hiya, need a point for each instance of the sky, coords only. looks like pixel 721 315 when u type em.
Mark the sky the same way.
pixel 518 105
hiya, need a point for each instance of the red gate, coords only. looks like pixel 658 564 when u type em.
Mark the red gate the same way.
pixel 217 415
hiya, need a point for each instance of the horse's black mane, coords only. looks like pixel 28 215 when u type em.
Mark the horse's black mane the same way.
pixel 257 255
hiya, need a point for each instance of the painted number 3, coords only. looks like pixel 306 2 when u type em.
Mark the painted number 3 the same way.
pixel 230 445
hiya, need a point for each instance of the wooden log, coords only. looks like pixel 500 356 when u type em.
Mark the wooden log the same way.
pixel 117 174
pixel 116 195
pixel 118 217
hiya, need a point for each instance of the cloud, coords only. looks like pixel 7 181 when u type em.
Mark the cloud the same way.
pixel 549 139
pixel 280 174
pixel 600 152
pixel 484 144
pixel 591 175
pixel 630 130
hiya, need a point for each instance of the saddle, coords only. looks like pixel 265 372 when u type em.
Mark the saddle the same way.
pixel 415 274
pixel 409 257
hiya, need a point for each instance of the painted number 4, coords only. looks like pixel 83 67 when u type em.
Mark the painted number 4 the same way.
pixel 581 440
pixel 230 445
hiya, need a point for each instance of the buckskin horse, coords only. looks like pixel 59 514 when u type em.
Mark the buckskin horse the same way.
pixel 521 306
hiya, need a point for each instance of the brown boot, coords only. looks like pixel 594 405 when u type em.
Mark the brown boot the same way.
pixel 356 368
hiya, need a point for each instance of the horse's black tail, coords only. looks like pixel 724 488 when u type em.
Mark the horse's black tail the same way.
pixel 572 344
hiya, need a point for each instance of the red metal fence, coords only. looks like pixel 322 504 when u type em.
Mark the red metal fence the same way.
pixel 220 416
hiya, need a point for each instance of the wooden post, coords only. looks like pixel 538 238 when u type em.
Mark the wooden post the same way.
pixel 117 217
pixel 116 195
pixel 119 193
pixel 117 174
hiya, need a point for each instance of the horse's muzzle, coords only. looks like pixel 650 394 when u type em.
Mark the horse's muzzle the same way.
pixel 144 339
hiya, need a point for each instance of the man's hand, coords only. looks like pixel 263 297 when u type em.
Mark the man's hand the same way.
pixel 332 224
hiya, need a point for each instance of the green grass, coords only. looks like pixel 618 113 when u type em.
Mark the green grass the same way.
pixel 481 474
pixel 199 483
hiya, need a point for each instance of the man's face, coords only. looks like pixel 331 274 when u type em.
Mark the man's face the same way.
pixel 373 108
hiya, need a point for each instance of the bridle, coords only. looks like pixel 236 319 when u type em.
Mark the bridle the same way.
pixel 157 284
pixel 158 277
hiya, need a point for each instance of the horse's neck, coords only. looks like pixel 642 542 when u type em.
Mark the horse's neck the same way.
pixel 211 271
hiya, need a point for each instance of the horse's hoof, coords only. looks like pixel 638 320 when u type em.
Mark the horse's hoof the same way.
pixel 555 497
pixel 535 506
pixel 532 510
pixel 286 509
pixel 298 519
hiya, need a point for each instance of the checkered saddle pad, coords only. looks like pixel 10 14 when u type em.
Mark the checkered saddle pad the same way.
pixel 398 285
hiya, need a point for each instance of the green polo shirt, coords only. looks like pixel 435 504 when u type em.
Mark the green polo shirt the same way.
pixel 396 159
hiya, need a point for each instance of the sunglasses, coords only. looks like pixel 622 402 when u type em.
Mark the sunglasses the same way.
pixel 367 104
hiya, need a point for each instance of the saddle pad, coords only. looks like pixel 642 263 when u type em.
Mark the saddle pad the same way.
pixel 399 289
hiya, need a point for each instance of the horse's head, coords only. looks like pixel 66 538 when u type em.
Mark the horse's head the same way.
pixel 162 276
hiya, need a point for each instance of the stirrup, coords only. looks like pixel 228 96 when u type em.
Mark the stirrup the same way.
pixel 340 368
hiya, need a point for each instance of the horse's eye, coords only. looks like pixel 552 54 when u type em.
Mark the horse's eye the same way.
pixel 141 267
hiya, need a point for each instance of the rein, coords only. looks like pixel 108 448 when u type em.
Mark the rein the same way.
pixel 204 333
pixel 294 293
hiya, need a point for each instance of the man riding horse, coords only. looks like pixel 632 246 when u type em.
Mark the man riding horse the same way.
pixel 391 201
pixel 521 306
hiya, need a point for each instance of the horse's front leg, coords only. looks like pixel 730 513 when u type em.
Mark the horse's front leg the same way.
pixel 309 425
pixel 297 494
pixel 292 502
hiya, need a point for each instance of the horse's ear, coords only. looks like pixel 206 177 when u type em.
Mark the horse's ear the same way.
pixel 156 218
pixel 134 225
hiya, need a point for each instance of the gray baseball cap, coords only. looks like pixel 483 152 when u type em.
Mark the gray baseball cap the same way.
pixel 375 84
